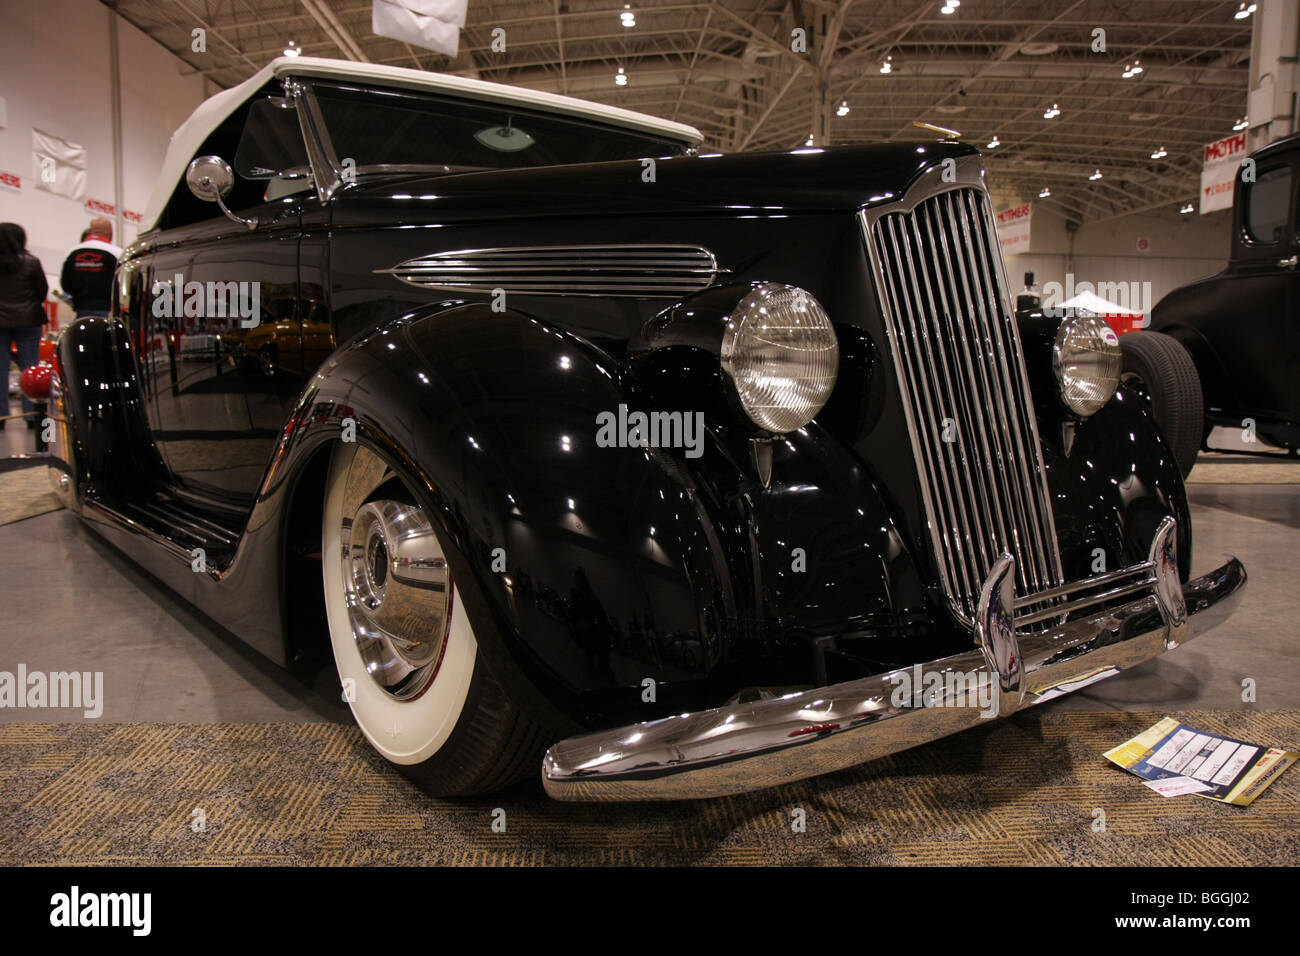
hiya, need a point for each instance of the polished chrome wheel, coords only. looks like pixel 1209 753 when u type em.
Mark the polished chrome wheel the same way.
pixel 398 594
pixel 405 657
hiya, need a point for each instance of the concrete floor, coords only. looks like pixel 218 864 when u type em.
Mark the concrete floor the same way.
pixel 73 603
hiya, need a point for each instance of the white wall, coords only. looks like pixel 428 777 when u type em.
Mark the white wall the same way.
pixel 1180 248
pixel 55 76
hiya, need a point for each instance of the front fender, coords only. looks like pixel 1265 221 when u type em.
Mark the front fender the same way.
pixel 1111 489
pixel 592 568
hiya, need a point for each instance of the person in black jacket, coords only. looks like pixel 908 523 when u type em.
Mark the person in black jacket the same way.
pixel 22 294
pixel 88 271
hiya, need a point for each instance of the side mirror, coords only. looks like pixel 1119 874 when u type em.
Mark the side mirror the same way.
pixel 210 178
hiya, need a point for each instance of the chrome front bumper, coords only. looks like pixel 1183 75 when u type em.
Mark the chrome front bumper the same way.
pixel 749 746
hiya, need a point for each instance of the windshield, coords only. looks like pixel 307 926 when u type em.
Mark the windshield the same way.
pixel 387 129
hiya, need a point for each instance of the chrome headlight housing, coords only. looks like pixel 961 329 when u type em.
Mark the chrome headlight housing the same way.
pixel 781 354
pixel 1087 361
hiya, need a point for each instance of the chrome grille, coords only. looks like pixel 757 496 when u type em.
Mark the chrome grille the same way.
pixel 957 355
pixel 641 271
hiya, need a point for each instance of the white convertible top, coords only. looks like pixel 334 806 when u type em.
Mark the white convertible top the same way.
pixel 210 114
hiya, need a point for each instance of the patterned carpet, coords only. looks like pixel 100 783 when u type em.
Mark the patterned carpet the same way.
pixel 1019 791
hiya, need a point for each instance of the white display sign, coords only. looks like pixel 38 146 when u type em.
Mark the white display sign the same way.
pixel 58 166
pixel 432 24
pixel 1013 229
pixel 1219 174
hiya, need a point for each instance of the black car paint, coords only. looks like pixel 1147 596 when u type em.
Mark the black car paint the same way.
pixel 708 604
pixel 1242 324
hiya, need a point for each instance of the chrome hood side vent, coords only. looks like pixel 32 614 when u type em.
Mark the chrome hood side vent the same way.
pixel 636 271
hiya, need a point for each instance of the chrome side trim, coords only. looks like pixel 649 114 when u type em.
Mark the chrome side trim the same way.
pixel 749 746
pixel 957 355
pixel 633 270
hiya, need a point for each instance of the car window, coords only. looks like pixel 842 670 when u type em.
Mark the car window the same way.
pixel 1268 205
pixel 253 141
pixel 387 128
pixel 271 143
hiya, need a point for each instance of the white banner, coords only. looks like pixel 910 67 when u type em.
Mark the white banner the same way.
pixel 58 166
pixel 1219 174
pixel 432 24
pixel 1013 229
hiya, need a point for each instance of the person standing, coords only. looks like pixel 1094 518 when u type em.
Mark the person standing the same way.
pixel 88 271
pixel 22 294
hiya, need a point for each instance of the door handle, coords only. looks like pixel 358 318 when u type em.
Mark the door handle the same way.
pixel 1289 263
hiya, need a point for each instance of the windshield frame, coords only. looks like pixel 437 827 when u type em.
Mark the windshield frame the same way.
pixel 327 168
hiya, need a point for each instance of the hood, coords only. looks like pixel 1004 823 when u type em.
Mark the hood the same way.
pixel 836 179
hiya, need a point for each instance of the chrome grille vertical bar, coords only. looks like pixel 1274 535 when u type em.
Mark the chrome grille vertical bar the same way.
pixel 1034 475
pixel 975 525
pixel 986 488
pixel 921 416
pixel 956 353
pixel 946 455
pixel 1004 472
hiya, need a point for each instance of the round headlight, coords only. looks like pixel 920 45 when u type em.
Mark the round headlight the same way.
pixel 782 356
pixel 1086 359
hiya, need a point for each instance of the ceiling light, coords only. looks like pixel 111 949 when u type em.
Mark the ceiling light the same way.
pixel 1240 124
pixel 292 49
pixel 1160 153
pixel 949 7
pixel 1137 67
pixel 1096 174
pixel 1052 112
pixel 1186 208
pixel 1039 49
pixel 887 65
pixel 620 78
pixel 809 140
pixel 1243 11
pixel 1044 193
pixel 843 109
pixel 994 143
pixel 627 16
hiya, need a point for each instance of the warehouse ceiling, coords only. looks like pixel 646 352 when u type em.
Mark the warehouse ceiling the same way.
pixel 988 69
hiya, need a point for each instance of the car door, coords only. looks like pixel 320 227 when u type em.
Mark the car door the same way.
pixel 1260 336
pixel 225 327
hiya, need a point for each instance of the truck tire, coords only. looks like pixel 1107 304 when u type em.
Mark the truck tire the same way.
pixel 1164 371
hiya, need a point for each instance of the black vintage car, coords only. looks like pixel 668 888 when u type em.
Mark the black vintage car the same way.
pixel 667 474
pixel 1241 326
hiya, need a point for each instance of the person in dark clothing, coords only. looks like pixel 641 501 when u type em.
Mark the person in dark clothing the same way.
pixel 22 294
pixel 88 271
